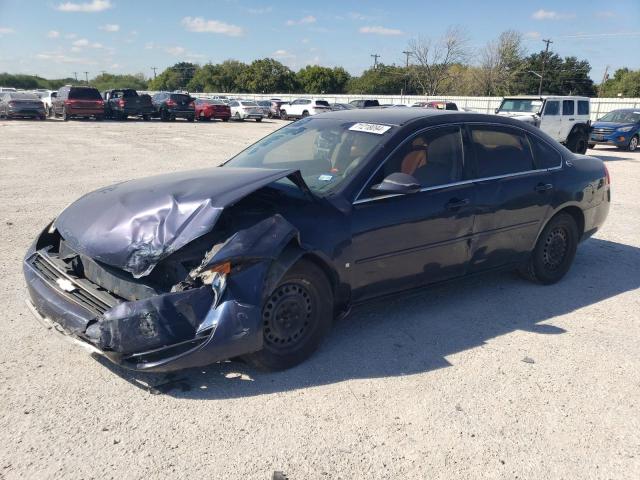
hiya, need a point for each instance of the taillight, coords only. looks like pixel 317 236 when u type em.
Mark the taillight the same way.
pixel 192 104
pixel 69 102
pixel 121 102
pixel 607 176
pixel 171 103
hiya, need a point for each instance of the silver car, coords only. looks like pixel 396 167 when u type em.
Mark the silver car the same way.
pixel 243 109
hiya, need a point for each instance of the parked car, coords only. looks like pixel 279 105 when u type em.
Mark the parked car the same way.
pixel 123 103
pixel 437 104
pixel 208 109
pixel 564 118
pixel 21 105
pixel 246 109
pixel 256 258
pixel 46 96
pixel 266 106
pixel 341 106
pixel 7 89
pixel 303 107
pixel 75 102
pixel 619 127
pixel 365 103
pixel 169 106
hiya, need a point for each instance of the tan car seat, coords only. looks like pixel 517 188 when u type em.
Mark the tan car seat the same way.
pixel 416 158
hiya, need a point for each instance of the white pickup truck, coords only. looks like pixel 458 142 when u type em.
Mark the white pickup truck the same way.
pixel 303 107
pixel 565 118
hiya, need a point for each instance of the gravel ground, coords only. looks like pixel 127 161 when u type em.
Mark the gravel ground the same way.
pixel 490 377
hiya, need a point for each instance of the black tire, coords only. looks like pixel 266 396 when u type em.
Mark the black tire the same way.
pixel 592 146
pixel 99 118
pixel 258 119
pixel 191 119
pixel 577 142
pixel 296 316
pixel 283 114
pixel 633 143
pixel 65 117
pixel 172 118
pixel 164 115
pixel 305 114
pixel 554 251
pixel 146 118
pixel 226 119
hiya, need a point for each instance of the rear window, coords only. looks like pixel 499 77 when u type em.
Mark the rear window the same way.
pixel 23 96
pixel 178 97
pixel 583 107
pixel 129 94
pixel 322 103
pixel 84 94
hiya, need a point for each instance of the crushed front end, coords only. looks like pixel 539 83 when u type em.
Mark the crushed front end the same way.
pixel 198 306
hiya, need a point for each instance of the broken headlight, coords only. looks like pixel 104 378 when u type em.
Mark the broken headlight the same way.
pixel 216 276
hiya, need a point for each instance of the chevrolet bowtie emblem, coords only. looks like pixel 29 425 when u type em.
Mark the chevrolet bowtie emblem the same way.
pixel 65 284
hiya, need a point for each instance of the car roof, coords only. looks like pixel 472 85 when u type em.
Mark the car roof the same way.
pixel 388 116
pixel 543 97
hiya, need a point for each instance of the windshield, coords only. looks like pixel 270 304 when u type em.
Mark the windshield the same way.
pixel 520 106
pixel 326 151
pixel 621 116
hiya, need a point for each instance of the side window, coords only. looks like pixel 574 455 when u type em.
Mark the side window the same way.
pixel 568 107
pixel 544 155
pixel 500 151
pixel 552 108
pixel 583 107
pixel 433 158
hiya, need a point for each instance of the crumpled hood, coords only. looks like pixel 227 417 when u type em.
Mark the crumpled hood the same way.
pixel 135 224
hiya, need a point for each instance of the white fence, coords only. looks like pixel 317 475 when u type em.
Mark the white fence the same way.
pixel 599 106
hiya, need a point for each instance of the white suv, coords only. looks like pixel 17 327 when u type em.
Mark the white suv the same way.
pixel 566 119
pixel 303 107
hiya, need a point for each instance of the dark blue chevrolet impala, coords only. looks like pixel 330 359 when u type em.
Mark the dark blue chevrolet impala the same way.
pixel 257 257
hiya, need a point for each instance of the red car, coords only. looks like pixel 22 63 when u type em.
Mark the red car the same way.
pixel 437 104
pixel 207 109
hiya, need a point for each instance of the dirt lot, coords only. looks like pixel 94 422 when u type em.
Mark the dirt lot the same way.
pixel 490 377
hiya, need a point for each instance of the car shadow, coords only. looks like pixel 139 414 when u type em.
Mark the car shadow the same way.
pixel 415 333
pixel 622 155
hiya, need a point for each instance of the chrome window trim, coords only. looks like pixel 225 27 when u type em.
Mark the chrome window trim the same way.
pixel 359 201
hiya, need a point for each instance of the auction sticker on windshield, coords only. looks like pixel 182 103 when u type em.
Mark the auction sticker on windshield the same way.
pixel 370 128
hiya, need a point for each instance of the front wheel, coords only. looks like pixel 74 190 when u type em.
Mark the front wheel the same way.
pixel 258 119
pixel 296 316
pixel 146 118
pixel 283 114
pixel 633 144
pixel 191 119
pixel 554 252
pixel 577 143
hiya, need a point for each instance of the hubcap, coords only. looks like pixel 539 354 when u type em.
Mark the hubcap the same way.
pixel 555 248
pixel 633 144
pixel 287 315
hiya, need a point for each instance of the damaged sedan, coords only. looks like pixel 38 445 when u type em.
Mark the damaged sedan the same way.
pixel 257 257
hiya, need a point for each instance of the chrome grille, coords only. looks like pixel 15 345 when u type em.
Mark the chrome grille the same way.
pixel 603 130
pixel 81 295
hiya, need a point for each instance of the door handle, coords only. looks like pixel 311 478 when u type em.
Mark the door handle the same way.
pixel 455 204
pixel 543 187
pixel 572 119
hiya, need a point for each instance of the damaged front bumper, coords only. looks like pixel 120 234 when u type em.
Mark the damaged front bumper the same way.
pixel 168 331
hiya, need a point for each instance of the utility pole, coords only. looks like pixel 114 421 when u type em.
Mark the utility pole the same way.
pixel 76 75
pixel 544 61
pixel 154 72
pixel 605 77
pixel 406 73
pixel 375 57
pixel 86 77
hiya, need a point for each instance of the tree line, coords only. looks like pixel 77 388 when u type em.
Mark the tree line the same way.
pixel 434 66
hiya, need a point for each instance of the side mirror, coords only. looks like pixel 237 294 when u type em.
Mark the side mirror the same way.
pixel 400 183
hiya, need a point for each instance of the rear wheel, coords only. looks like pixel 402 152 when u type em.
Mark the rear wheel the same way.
pixel 146 118
pixel 225 119
pixel 295 317
pixel 65 117
pixel 164 115
pixel 258 119
pixel 592 146
pixel 554 252
pixel 305 114
pixel 283 114
pixel 191 119
pixel 633 144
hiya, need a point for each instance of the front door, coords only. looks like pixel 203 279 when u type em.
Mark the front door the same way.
pixel 403 241
pixel 551 123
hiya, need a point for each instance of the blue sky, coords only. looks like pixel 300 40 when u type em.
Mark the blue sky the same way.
pixel 54 38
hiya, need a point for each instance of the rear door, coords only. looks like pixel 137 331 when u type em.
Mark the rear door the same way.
pixel 568 118
pixel 403 241
pixel 513 196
